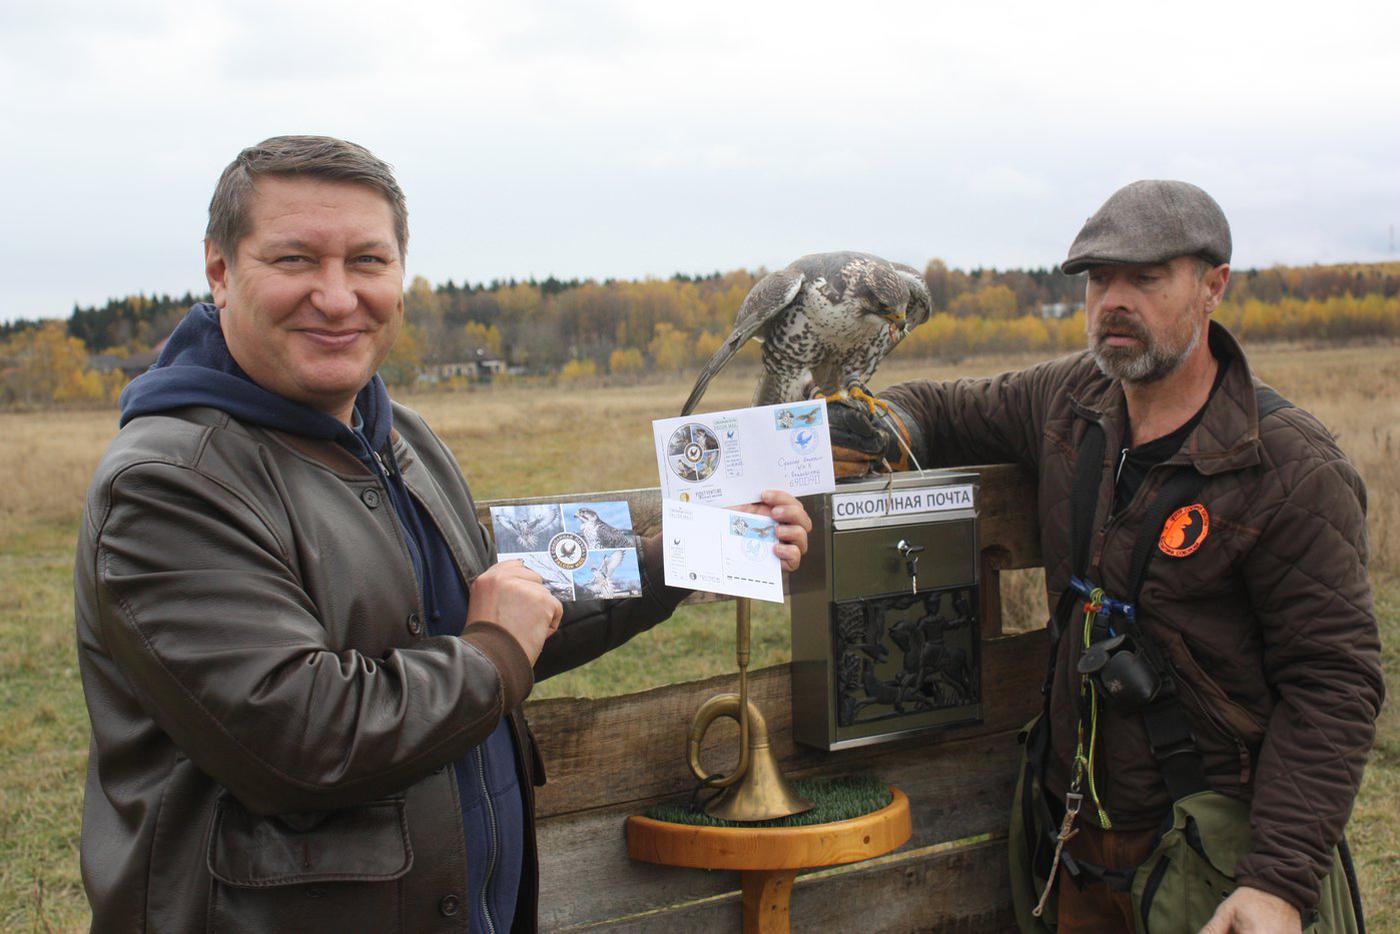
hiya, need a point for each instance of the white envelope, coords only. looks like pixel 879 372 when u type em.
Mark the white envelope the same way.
pixel 720 551
pixel 728 458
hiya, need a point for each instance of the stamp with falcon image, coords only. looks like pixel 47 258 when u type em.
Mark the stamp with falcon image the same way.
pixel 525 528
pixel 602 525
pixel 559 581
pixel 610 574
pixel 799 416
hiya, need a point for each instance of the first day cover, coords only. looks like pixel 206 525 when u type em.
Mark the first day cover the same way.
pixel 731 457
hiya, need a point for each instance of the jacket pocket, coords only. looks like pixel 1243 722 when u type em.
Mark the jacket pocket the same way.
pixel 338 870
pixel 1208 701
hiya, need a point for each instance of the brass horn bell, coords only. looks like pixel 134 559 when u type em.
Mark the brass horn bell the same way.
pixel 756 790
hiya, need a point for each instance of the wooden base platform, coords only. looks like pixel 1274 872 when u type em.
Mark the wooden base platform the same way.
pixel 769 857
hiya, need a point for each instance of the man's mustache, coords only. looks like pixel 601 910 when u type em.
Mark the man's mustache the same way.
pixel 1121 325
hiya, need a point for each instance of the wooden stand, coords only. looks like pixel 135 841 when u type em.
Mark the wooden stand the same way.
pixel 768 858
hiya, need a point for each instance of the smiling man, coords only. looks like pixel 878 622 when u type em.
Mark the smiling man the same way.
pixel 1237 700
pixel 303 672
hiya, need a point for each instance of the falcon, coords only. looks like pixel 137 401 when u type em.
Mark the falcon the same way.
pixel 527 528
pixel 598 534
pixel 601 584
pixel 828 317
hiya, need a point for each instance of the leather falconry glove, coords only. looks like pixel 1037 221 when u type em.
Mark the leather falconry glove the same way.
pixel 863 444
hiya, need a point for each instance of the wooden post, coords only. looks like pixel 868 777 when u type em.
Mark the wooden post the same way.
pixel 767 899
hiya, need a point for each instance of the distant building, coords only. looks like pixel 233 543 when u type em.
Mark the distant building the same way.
pixel 480 366
pixel 1060 309
pixel 131 367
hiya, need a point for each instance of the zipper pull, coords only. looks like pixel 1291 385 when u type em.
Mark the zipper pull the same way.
pixel 1122 459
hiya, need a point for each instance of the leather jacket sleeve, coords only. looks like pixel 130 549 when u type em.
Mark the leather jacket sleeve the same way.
pixel 976 421
pixel 201 608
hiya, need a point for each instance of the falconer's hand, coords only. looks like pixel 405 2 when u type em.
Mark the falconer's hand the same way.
pixel 863 444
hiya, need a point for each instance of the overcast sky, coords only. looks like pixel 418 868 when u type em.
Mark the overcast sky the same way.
pixel 643 137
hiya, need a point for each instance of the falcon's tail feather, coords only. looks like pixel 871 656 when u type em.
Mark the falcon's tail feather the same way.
pixel 726 352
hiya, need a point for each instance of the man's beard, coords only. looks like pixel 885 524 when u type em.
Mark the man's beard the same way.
pixel 1147 364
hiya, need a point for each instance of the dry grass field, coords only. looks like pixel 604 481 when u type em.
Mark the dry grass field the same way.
pixel 525 440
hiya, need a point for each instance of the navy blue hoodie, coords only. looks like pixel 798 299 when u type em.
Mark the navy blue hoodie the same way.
pixel 196 368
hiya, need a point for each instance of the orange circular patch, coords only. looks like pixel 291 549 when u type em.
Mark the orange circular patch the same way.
pixel 1185 531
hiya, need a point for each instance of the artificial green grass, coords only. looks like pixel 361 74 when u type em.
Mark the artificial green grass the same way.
pixel 835 799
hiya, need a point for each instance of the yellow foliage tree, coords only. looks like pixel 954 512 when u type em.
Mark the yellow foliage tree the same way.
pixel 79 386
pixel 46 365
pixel 626 361
pixel 405 360
pixel 421 302
pixel 706 344
pixel 577 370
pixel 997 302
pixel 479 335
pixel 670 349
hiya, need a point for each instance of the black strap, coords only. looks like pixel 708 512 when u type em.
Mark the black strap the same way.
pixel 1084 496
pixel 1083 503
pixel 1269 401
pixel 1349 869
pixel 1168 729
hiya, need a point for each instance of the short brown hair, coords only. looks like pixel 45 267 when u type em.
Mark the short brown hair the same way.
pixel 323 157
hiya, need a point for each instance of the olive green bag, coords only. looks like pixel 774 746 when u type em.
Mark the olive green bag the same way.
pixel 1186 877
pixel 1192 870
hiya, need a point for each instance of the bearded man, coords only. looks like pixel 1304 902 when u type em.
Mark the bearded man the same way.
pixel 1171 480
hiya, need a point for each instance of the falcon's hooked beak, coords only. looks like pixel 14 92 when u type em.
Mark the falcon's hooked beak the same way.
pixel 897 320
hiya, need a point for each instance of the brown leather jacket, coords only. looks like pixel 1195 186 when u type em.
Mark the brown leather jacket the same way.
pixel 271 727
pixel 1269 622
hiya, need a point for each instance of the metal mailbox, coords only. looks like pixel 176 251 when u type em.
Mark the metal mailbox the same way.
pixel 885 633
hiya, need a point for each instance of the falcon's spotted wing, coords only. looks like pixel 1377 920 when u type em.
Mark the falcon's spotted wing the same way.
pixel 765 300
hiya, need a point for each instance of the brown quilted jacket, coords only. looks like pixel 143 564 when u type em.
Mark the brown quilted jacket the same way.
pixel 1269 622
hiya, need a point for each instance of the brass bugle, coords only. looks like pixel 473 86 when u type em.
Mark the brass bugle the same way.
pixel 761 792
pixel 755 789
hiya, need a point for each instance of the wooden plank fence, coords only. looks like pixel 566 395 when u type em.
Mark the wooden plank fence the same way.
pixel 611 757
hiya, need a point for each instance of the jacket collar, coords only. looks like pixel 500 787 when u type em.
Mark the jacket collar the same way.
pixel 334 456
pixel 1227 437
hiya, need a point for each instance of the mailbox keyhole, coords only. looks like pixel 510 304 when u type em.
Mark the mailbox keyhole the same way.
pixel 910 554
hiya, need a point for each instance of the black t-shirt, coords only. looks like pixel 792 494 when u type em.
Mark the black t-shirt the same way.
pixel 1134 463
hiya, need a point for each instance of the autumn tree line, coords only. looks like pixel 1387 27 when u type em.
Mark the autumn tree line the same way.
pixel 582 329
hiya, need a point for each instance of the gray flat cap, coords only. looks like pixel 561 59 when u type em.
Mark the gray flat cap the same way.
pixel 1152 221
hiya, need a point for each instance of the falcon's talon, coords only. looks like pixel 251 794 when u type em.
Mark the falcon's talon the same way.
pixel 839 395
pixel 871 401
